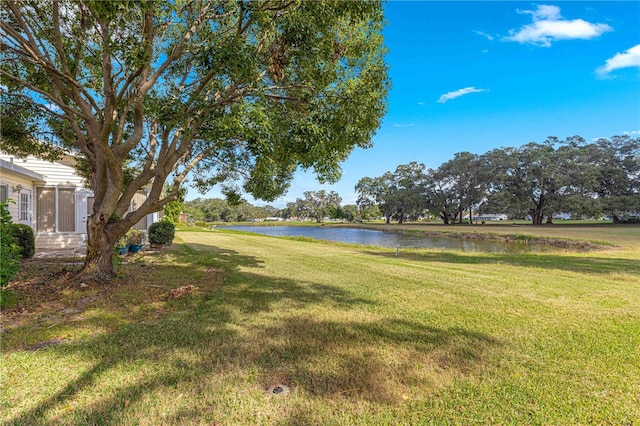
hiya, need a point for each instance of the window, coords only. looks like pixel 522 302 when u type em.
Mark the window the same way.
pixel 24 206
pixel 4 193
pixel 56 210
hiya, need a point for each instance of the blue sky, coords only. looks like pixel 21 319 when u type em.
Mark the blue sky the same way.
pixel 473 76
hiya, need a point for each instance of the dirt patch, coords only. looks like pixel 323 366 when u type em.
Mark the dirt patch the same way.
pixel 50 298
pixel 185 290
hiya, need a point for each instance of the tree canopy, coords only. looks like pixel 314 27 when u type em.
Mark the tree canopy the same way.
pixel 398 194
pixel 237 93
pixel 317 204
pixel 536 180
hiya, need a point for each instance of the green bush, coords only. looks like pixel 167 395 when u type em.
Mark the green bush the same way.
pixel 135 237
pixel 201 224
pixel 24 238
pixel 9 250
pixel 162 233
pixel 122 242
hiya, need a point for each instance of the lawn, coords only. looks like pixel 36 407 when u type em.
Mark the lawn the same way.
pixel 229 328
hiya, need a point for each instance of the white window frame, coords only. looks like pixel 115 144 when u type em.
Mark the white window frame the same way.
pixel 24 206
pixel 5 193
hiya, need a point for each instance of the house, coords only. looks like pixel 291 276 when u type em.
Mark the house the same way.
pixel 489 216
pixel 52 199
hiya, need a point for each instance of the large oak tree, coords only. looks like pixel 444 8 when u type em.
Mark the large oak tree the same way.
pixel 238 93
pixel 318 204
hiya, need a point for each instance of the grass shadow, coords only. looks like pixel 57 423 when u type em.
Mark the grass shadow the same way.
pixel 582 264
pixel 256 328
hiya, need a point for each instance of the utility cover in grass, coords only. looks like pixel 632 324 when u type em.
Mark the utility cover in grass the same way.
pixel 279 390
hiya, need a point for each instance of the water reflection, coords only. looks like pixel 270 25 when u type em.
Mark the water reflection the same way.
pixel 388 239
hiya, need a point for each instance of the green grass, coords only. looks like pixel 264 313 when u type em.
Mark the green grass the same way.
pixel 357 334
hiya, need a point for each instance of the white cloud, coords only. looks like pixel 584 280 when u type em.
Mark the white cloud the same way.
pixel 549 26
pixel 543 12
pixel 485 35
pixel 403 125
pixel 457 93
pixel 632 133
pixel 627 59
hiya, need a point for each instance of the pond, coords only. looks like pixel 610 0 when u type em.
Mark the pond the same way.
pixel 387 239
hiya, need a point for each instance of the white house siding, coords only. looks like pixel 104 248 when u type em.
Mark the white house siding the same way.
pixel 18 185
pixel 59 188
pixel 64 201
pixel 56 174
pixel 10 182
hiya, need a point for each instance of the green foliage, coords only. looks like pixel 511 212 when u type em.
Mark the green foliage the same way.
pixel 534 180
pixel 24 238
pixel 172 210
pixel 350 212
pixel 19 125
pixel 318 204
pixel 122 242
pixel 238 94
pixel 134 237
pixel 114 218
pixel 400 193
pixel 8 299
pixel 216 209
pixel 162 233
pixel 9 249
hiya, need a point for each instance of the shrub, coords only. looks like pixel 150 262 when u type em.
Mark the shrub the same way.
pixel 122 242
pixel 24 238
pixel 9 250
pixel 162 233
pixel 201 223
pixel 134 237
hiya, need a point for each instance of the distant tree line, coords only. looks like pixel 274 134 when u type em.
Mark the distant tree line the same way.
pixel 535 181
pixel 314 205
pixel 216 209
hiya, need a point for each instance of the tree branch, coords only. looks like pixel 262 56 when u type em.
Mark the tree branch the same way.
pixel 58 37
pixel 144 87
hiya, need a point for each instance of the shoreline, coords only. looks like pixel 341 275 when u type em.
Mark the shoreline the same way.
pixel 483 235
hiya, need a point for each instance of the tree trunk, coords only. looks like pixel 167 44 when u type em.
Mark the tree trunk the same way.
pixel 445 218
pixel 388 219
pixel 99 263
pixel 98 266
pixel 536 216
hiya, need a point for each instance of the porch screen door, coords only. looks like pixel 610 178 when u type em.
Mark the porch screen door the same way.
pixel 46 210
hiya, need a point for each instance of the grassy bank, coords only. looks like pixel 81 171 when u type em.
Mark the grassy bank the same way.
pixel 204 332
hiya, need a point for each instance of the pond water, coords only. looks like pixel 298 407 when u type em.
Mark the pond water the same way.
pixel 386 239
